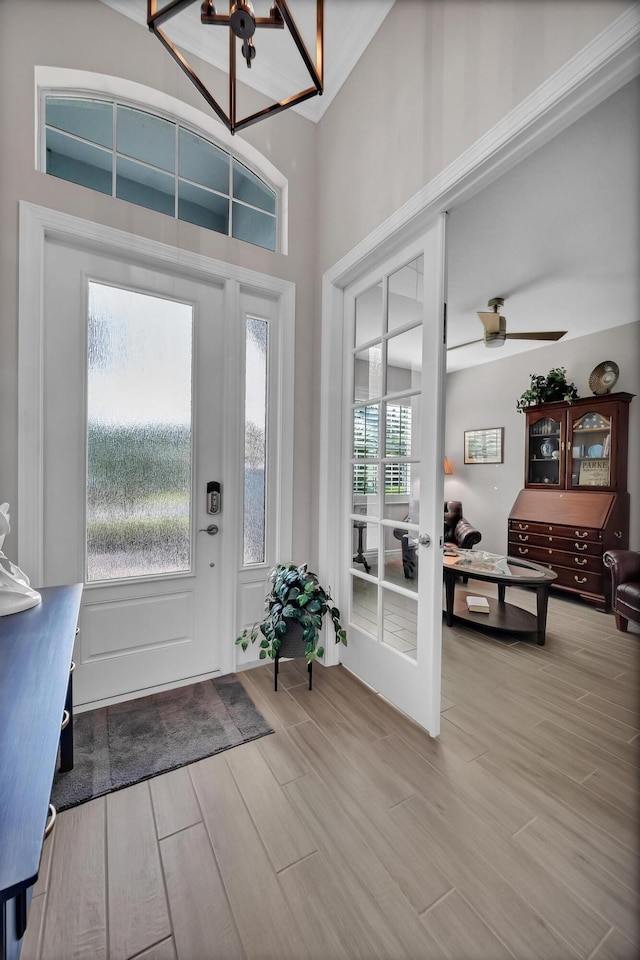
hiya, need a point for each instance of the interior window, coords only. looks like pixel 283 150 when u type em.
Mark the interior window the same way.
pixel 155 162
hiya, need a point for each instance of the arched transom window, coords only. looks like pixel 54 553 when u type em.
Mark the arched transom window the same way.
pixel 158 162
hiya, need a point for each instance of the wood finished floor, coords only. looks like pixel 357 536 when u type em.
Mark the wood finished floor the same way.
pixel 350 834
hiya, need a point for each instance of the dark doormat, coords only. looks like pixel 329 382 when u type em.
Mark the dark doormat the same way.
pixel 120 745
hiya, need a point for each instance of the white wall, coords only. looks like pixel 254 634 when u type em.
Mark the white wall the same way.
pixel 486 395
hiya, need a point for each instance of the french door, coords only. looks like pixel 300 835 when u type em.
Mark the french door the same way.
pixel 393 487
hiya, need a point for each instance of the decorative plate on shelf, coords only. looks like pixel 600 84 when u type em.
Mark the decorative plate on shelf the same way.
pixel 604 377
pixel 595 450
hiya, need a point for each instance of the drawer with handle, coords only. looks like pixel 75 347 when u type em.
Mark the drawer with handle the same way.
pixel 582 547
pixel 560 558
pixel 579 580
pixel 554 530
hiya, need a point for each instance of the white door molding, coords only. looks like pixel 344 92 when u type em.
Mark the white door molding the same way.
pixel 588 78
pixel 39 224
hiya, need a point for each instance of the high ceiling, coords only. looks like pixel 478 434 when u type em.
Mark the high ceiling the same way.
pixel 277 70
pixel 558 237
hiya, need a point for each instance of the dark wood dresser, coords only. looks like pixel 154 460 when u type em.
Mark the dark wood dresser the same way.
pixel 569 532
pixel 36 647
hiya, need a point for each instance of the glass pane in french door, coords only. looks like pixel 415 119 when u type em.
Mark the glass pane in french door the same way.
pixel 399 622
pixel 368 322
pixel 405 295
pixel 364 605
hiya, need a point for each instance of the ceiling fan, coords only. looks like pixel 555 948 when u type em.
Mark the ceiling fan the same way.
pixel 495 329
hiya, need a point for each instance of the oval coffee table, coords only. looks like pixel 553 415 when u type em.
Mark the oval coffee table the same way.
pixel 505 572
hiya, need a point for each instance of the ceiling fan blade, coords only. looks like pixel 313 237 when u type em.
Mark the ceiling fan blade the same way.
pixel 467 343
pixel 490 320
pixel 538 335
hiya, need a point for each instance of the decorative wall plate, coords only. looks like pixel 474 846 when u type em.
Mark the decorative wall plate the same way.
pixel 603 377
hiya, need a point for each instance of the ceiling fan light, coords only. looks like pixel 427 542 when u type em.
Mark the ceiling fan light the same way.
pixel 494 340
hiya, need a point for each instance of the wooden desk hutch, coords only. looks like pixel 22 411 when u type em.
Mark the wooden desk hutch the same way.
pixel 574 504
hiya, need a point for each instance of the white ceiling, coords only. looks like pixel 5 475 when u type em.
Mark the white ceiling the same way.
pixel 558 237
pixel 278 70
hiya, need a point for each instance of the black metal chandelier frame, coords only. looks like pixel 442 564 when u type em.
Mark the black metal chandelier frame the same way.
pixel 243 27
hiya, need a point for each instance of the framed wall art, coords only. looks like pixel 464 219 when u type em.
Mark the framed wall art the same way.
pixel 484 446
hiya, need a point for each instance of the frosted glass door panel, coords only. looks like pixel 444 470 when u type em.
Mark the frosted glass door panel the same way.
pixel 138 434
pixel 255 439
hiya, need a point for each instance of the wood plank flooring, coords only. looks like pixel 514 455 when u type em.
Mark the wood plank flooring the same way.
pixel 349 834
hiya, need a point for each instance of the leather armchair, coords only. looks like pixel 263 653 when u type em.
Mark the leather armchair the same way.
pixel 625 585
pixel 457 531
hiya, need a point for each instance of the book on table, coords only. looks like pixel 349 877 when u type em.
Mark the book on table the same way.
pixel 477 605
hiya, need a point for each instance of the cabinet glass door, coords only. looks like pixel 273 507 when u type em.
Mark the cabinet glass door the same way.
pixel 545 446
pixel 591 450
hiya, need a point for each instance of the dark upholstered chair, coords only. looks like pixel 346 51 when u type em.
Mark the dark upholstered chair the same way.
pixel 457 531
pixel 625 586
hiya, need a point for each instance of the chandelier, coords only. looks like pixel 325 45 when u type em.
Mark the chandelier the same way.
pixel 243 24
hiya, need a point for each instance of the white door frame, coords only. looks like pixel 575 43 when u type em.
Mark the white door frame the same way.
pixel 592 75
pixel 39 224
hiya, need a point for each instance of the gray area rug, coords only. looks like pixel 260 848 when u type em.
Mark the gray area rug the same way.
pixel 120 745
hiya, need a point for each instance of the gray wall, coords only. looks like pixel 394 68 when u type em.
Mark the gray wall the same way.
pixel 435 78
pixel 486 395
pixel 87 35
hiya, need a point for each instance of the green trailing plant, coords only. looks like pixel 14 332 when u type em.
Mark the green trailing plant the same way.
pixel 296 596
pixel 547 389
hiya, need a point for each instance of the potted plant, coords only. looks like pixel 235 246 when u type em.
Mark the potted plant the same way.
pixel 295 607
pixel 546 389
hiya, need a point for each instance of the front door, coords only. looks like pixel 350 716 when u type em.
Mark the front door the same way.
pixel 394 484
pixel 134 402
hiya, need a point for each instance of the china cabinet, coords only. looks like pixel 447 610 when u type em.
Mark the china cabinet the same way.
pixel 574 504
pixel 578 445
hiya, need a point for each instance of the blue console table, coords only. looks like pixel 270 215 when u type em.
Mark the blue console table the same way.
pixel 36 647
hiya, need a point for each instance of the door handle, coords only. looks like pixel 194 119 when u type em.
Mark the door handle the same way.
pixel 212 529
pixel 424 540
